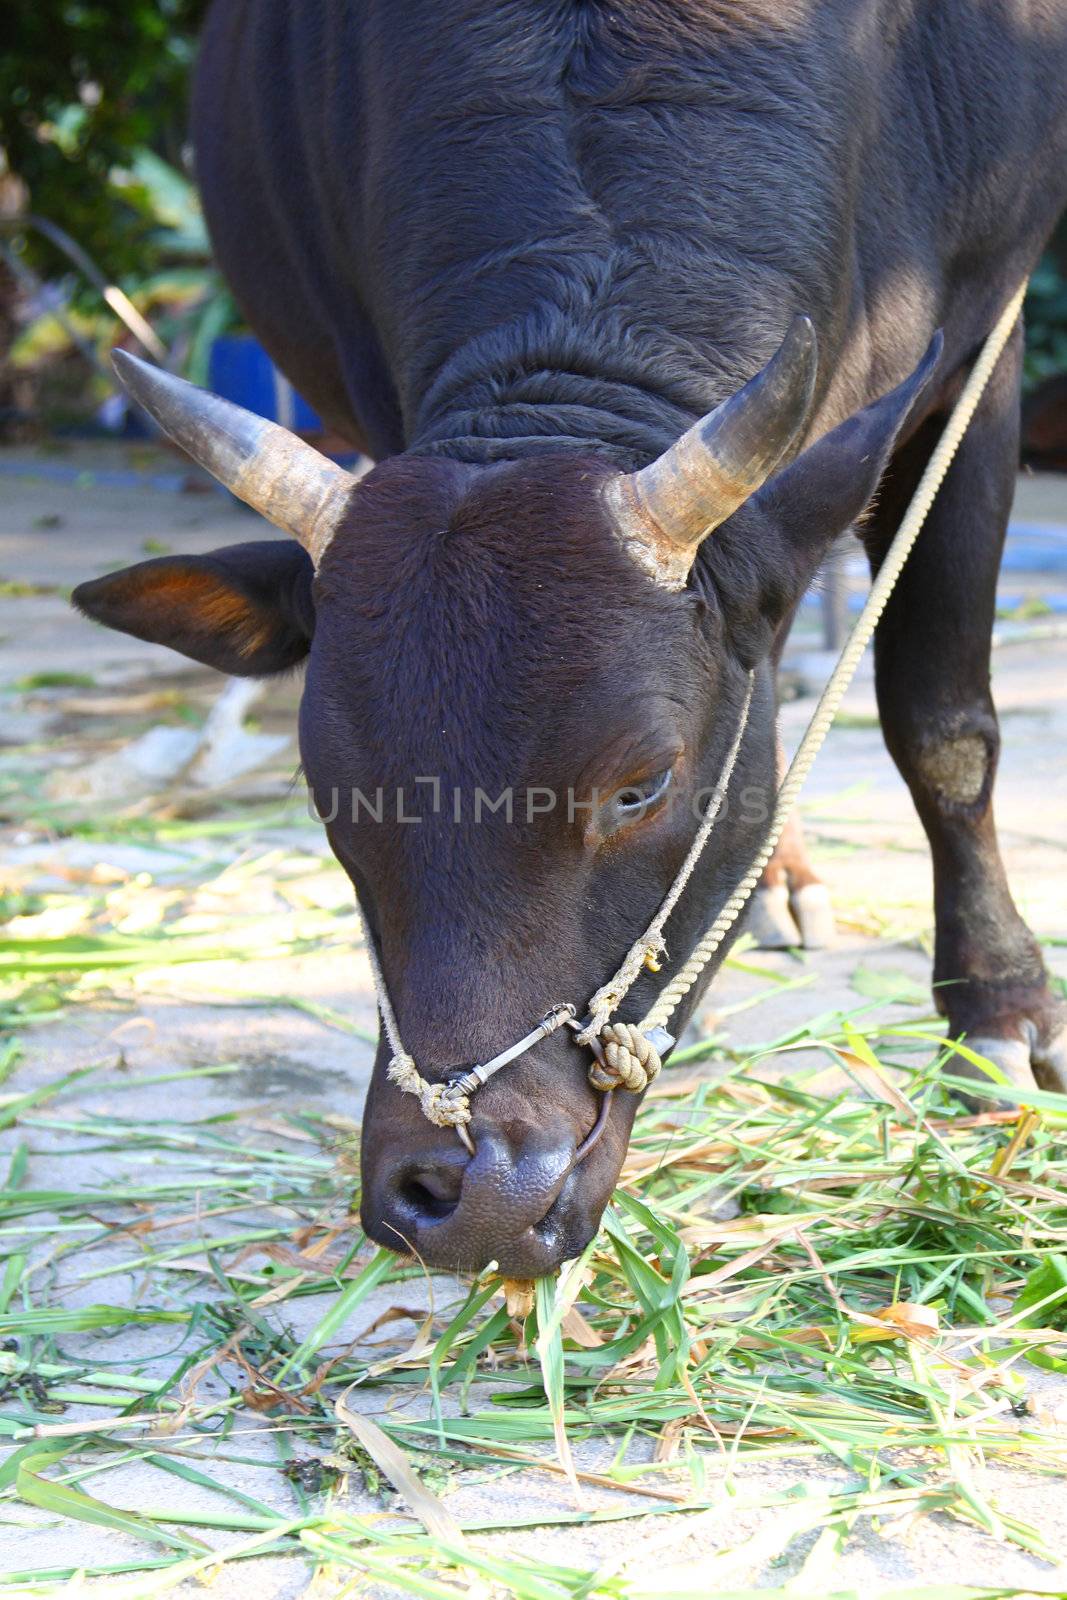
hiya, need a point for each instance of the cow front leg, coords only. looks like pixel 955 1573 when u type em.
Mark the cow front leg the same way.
pixel 791 907
pixel 939 722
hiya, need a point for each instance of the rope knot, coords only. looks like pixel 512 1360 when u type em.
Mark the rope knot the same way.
pixel 630 1060
pixel 440 1103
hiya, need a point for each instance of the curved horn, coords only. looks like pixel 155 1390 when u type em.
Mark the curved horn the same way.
pixel 268 467
pixel 667 508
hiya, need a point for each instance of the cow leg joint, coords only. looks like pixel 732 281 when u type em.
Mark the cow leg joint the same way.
pixel 990 981
pixel 791 907
pixel 957 769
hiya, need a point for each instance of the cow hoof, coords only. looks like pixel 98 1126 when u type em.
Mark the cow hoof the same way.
pixel 1035 1056
pixel 814 913
pixel 770 920
pixel 1050 1058
pixel 1010 1056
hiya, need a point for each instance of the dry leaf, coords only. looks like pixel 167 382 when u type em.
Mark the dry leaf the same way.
pixel 267 1399
pixel 281 1291
pixel 907 1317
pixel 435 1518
pixel 519 1297
pixel 576 1327
pixel 812 1333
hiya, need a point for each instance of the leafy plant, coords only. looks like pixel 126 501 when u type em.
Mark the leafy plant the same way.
pixel 895 1268
pixel 84 86
pixel 181 293
pixel 1045 315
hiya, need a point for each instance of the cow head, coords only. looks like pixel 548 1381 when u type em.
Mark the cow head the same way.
pixel 522 682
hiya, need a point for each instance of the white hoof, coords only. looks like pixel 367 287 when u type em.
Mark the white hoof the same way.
pixel 1012 1056
pixel 770 920
pixel 814 913
pixel 1050 1062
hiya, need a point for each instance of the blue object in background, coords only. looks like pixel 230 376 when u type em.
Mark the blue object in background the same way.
pixel 1035 547
pixel 241 370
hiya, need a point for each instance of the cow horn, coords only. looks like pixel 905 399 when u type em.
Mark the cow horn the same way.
pixel 268 467
pixel 667 508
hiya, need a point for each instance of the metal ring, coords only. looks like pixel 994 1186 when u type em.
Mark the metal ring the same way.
pixel 565 1016
pixel 476 1077
pixel 593 1136
pixel 465 1138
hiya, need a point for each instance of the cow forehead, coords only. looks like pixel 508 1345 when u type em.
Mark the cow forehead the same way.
pixel 443 569
pixel 487 622
pixel 540 522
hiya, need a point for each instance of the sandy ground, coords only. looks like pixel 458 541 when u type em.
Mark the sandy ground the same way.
pixel 53 533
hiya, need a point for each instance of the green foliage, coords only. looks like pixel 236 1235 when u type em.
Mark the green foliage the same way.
pixel 86 86
pixel 1045 313
pixel 855 1348
pixel 1046 321
pixel 1044 1297
pixel 181 292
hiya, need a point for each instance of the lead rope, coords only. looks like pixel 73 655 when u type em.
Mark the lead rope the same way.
pixel 626 1056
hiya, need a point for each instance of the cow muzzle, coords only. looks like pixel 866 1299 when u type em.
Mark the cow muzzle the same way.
pixel 529 1197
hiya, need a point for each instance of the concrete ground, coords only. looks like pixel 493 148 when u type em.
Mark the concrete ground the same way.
pixel 62 518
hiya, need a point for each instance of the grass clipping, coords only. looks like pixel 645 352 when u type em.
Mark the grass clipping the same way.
pixel 852 1281
pixel 891 1276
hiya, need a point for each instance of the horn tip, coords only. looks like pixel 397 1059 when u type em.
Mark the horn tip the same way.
pixel 802 336
pixel 123 360
pixel 129 369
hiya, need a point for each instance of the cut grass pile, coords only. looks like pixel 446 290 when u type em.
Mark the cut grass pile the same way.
pixel 854 1280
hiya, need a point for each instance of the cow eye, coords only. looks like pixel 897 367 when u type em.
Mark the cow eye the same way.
pixel 637 798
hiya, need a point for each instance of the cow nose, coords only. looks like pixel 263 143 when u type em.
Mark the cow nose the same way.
pixel 431 1191
pixel 459 1211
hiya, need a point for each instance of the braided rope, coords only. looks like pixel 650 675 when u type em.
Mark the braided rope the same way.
pixel 630 1060
pixel 439 1106
pixel 439 1102
pixel 845 670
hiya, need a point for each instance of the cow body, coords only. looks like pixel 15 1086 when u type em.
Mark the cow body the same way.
pixel 584 220
pixel 512 249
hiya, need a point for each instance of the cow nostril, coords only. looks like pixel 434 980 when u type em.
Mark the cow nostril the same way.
pixel 432 1195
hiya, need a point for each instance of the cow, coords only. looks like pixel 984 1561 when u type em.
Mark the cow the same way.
pixel 631 304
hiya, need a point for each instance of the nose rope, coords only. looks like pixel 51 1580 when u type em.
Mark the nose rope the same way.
pixel 627 1054
pixel 844 671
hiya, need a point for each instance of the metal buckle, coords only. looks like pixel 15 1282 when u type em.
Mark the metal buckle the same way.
pixel 472 1080
pixel 474 1077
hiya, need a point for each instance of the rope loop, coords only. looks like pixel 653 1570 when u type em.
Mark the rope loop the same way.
pixel 630 1061
pixel 440 1102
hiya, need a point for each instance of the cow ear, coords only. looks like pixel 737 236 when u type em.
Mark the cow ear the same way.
pixel 824 491
pixel 246 610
